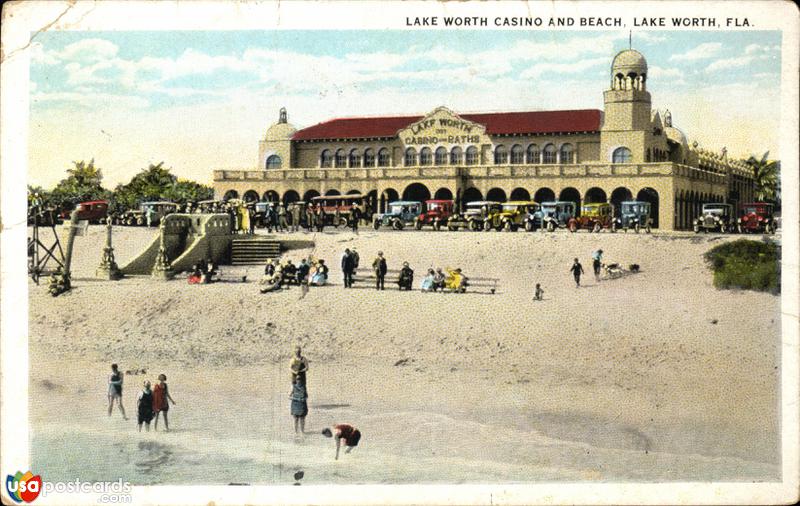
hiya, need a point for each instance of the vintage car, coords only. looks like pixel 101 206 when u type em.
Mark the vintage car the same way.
pixel 552 215
pixel 594 217
pixel 399 214
pixel 511 215
pixel 633 214
pixel 437 214
pixel 474 215
pixel 337 208
pixel 139 216
pixel 715 217
pixel 93 211
pixel 757 217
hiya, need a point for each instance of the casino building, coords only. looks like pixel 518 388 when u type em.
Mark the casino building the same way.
pixel 627 151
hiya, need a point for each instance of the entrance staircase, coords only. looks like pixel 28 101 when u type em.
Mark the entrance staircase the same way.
pixel 254 250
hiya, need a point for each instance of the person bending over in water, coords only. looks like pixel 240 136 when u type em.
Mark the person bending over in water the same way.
pixel 350 434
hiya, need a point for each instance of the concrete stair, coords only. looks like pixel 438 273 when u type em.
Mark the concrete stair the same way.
pixel 254 250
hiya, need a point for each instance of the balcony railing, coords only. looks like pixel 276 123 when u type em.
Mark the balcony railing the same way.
pixel 473 171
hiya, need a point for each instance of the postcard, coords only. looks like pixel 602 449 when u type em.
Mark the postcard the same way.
pixel 399 253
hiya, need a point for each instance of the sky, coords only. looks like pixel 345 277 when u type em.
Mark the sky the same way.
pixel 201 100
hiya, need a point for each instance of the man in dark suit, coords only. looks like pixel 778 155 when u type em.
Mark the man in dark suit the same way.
pixel 348 265
pixel 379 266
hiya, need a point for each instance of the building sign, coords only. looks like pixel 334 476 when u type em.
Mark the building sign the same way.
pixel 443 127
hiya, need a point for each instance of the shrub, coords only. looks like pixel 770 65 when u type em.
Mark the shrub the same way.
pixel 746 264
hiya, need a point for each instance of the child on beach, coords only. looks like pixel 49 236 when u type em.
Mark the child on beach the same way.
pixel 350 434
pixel 161 400
pixel 144 406
pixel 538 293
pixel 115 390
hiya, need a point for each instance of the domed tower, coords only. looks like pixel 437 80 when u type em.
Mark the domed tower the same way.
pixel 275 151
pixel 626 122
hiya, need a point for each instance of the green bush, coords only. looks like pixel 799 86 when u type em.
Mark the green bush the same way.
pixel 747 265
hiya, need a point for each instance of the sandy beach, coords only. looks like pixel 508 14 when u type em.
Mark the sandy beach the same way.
pixel 656 376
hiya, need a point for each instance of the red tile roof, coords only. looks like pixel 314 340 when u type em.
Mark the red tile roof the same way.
pixel 499 123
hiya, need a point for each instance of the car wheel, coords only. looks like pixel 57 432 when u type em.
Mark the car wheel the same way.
pixel 550 226
pixel 767 228
pixel 596 228
pixel 418 224
pixel 397 225
pixel 722 228
pixel 487 225
pixel 529 226
pixel 507 226
pixel 376 224
pixel 696 228
pixel 636 228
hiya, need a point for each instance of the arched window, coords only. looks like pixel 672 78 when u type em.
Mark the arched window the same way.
pixel 384 160
pixel 532 154
pixel 341 158
pixel 354 158
pixel 472 155
pixel 621 155
pixel 273 162
pixel 369 157
pixel 455 156
pixel 425 156
pixel 567 153
pixel 325 158
pixel 549 154
pixel 517 154
pixel 500 155
pixel 411 157
pixel 441 156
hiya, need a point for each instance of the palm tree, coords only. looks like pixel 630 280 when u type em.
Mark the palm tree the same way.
pixel 766 176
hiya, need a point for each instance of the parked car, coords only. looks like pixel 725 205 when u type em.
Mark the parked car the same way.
pixel 510 216
pixel 594 217
pixel 552 215
pixel 474 215
pixel 757 217
pixel 93 211
pixel 138 217
pixel 716 218
pixel 399 214
pixel 436 215
pixel 633 214
pixel 330 204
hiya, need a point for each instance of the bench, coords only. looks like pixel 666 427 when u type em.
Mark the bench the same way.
pixel 366 278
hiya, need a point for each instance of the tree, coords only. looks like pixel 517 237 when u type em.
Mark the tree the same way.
pixel 84 182
pixel 766 177
pixel 157 183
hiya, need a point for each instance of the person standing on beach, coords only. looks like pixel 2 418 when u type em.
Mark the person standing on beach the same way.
pixel 341 431
pixel 144 406
pixel 299 408
pixel 597 262
pixel 161 399
pixel 347 268
pixel 577 270
pixel 115 390
pixel 355 217
pixel 379 266
pixel 295 218
pixel 298 365
pixel 538 294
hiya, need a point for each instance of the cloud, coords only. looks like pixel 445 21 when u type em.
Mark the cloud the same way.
pixel 729 63
pixel 701 52
pixel 754 49
pixel 656 72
